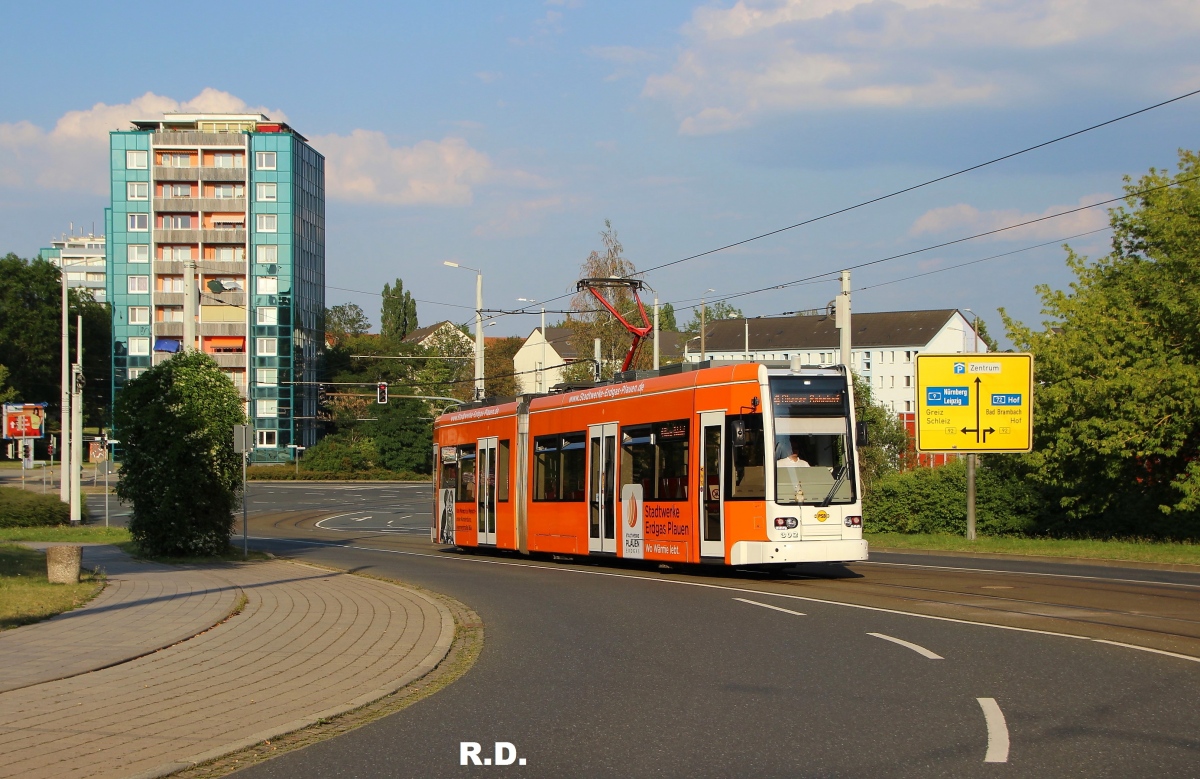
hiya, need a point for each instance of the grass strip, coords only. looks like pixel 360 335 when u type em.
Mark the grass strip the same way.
pixel 80 534
pixel 1127 550
pixel 26 596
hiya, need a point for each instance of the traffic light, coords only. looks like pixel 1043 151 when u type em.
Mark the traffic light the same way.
pixel 381 392
pixel 322 395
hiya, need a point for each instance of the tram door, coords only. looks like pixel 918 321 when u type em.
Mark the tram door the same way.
pixel 486 492
pixel 602 488
pixel 712 492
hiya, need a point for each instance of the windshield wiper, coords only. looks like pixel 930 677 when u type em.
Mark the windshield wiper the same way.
pixel 836 485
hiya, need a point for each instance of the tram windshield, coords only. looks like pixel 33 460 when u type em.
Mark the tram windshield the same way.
pixel 812 452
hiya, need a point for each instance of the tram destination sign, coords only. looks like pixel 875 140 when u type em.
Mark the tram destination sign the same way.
pixel 975 402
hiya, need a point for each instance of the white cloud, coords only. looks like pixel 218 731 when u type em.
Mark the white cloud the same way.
pixel 523 217
pixel 73 155
pixel 965 219
pixel 760 58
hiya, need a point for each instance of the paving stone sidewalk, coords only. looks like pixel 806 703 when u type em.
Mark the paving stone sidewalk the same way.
pixel 309 644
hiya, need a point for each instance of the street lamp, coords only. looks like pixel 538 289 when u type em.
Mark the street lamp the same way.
pixel 541 373
pixel 478 325
pixel 976 329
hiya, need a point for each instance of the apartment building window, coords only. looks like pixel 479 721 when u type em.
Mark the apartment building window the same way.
pixel 137 190
pixel 891 382
pixel 267 285
pixel 136 160
pixel 135 372
pixel 177 221
pixel 226 160
pixel 267 439
pixel 139 315
pixel 177 253
pixel 266 191
pixel 267 377
pixel 176 190
pixel 266 347
pixel 94 277
pixel 137 252
pixel 266 408
pixel 267 253
pixel 268 223
pixel 170 283
pixel 170 313
pixel 225 253
pixel 225 191
pixel 139 347
pixel 267 315
pixel 264 160
pixel 908 356
pixel 908 405
pixel 138 285
pixel 139 223
pixel 908 381
pixel 176 160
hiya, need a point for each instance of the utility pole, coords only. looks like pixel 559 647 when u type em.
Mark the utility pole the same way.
pixel 77 425
pixel 972 461
pixel 189 303
pixel 478 325
pixel 64 416
pixel 596 352
pixel 842 319
pixel 656 352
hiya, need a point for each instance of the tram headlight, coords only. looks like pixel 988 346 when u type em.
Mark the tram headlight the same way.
pixel 786 522
pixel 853 521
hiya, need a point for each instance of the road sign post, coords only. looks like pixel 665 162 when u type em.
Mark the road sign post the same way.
pixel 972 404
pixel 241 445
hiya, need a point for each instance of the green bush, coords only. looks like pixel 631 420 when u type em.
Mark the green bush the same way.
pixel 350 451
pixel 180 473
pixel 19 508
pixel 288 473
pixel 934 500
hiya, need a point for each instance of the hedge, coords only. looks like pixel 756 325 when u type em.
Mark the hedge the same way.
pixel 288 473
pixel 19 508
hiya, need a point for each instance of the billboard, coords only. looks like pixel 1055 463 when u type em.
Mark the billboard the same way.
pixel 24 420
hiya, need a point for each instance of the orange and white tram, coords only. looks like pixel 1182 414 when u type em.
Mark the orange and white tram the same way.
pixel 739 464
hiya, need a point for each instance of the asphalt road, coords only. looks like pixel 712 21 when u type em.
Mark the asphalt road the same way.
pixel 610 670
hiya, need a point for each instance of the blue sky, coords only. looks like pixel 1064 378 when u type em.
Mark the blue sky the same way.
pixel 503 135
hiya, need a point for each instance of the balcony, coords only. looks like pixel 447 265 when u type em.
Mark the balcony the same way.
pixel 230 298
pixel 168 298
pixel 185 138
pixel 168 329
pixel 194 204
pixel 211 267
pixel 195 173
pixel 222 328
pixel 200 236
pixel 230 360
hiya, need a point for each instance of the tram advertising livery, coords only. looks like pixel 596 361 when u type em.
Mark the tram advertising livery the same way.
pixel 739 464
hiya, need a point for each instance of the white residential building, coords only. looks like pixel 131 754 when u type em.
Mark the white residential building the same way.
pixel 884 345
pixel 83 256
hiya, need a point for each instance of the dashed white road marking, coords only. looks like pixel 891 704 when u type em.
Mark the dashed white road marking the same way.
pixel 769 606
pixel 997 731
pixel 914 647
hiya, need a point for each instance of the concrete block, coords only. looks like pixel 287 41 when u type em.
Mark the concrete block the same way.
pixel 62 563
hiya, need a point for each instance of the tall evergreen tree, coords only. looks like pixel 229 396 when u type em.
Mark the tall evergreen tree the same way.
pixel 399 316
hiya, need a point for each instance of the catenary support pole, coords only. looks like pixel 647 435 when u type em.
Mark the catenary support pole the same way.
pixel 479 391
pixel 843 320
pixel 971 496
pixel 703 328
pixel 64 416
pixel 77 426
pixel 596 354
pixel 656 351
pixel 245 535
pixel 189 304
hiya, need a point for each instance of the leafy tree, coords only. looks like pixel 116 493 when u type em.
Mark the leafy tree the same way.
pixel 399 317
pixel 1117 440
pixel 589 320
pixel 666 319
pixel 7 393
pixel 713 312
pixel 342 452
pixel 499 380
pixel 345 320
pixel 180 473
pixel 403 435
pixel 889 447
pixel 30 336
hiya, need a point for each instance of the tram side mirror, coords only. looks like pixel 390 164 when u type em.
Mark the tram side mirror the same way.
pixel 860 434
pixel 737 429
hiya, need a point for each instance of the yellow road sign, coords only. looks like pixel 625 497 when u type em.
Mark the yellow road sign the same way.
pixel 974 402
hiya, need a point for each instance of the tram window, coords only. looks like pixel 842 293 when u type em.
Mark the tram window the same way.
pixel 655 456
pixel 502 471
pixel 466 471
pixel 449 479
pixel 560 467
pixel 746 476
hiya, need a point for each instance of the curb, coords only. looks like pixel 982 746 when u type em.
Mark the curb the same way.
pixel 431 661
pixel 1176 567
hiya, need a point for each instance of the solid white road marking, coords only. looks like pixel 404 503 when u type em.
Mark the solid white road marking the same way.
pixel 1028 573
pixel 914 647
pixel 705 586
pixel 997 730
pixel 769 606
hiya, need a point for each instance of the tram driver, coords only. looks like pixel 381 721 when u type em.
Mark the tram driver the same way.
pixel 795 444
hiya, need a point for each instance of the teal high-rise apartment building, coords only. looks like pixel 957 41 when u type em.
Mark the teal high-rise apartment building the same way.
pixel 236 202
